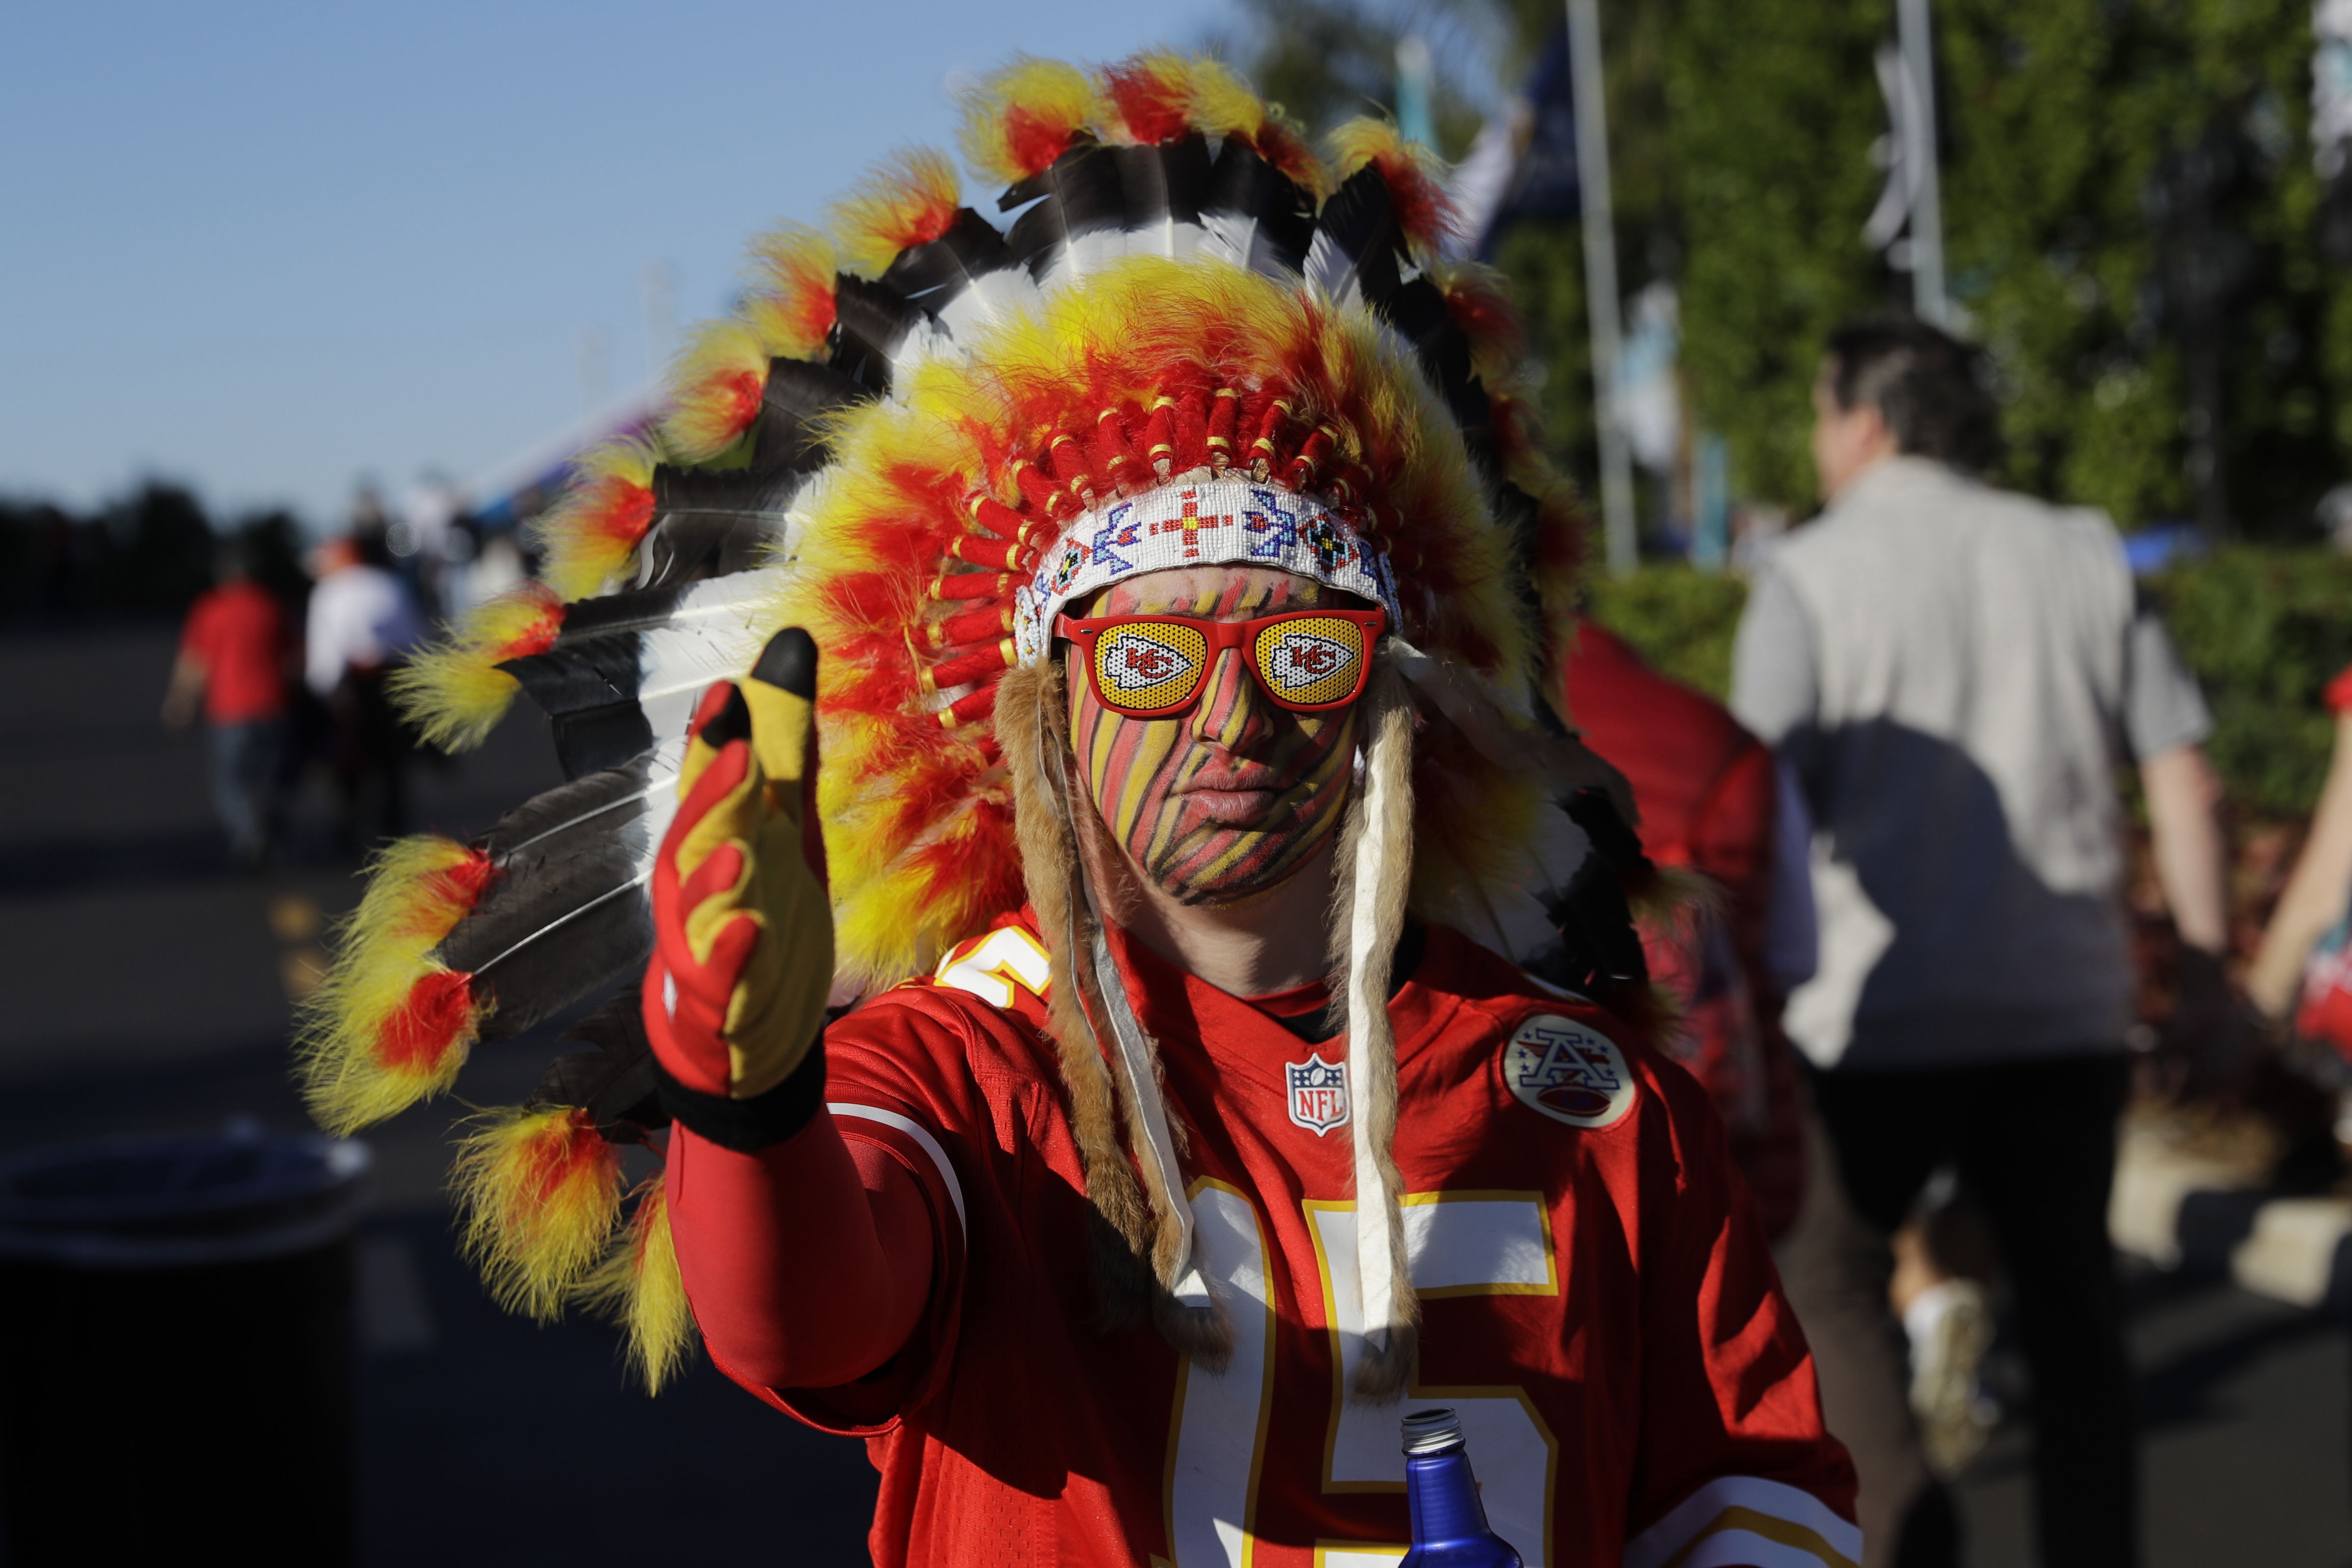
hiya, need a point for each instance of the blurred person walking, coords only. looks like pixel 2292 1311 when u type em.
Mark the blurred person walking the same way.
pixel 234 648
pixel 1711 800
pixel 362 622
pixel 1954 671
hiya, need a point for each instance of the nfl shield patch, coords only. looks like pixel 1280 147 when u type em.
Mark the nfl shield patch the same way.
pixel 1318 1093
pixel 1567 1071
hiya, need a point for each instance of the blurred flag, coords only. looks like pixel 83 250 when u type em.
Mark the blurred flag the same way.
pixel 1523 165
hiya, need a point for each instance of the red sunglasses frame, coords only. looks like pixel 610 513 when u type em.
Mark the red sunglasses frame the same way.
pixel 1220 636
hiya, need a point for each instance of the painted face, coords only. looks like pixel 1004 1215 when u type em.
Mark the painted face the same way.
pixel 1231 797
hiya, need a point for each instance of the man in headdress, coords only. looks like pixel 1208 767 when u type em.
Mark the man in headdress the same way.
pixel 1158 579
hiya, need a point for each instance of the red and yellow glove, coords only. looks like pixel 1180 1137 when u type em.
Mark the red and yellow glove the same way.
pixel 735 995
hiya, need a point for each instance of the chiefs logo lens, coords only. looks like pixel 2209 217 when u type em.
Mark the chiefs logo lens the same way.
pixel 1316 660
pixel 1145 668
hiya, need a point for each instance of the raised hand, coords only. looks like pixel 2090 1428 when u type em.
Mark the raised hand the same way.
pixel 735 995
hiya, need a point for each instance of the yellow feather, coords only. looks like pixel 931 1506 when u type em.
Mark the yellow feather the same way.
pixel 383 949
pixel 1224 104
pixel 540 1192
pixel 455 692
pixel 1052 96
pixel 715 389
pixel 583 557
pixel 793 273
pixel 639 1288
pixel 877 219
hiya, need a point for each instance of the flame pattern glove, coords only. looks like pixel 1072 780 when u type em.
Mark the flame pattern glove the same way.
pixel 735 995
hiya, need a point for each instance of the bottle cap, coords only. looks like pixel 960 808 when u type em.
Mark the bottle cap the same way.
pixel 1433 1432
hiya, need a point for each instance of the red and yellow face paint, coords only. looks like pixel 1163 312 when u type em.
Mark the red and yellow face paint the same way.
pixel 1215 789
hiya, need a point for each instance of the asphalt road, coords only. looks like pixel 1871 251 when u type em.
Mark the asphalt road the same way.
pixel 147 989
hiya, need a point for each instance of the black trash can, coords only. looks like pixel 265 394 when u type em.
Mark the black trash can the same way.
pixel 176 1349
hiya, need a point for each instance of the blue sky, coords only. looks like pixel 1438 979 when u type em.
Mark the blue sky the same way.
pixel 265 249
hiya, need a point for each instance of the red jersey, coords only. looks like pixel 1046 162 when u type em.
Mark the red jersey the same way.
pixel 1597 1301
pixel 237 632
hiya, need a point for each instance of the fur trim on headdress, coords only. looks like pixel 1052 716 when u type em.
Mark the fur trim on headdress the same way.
pixel 910 200
pixel 1141 1254
pixel 718 382
pixel 1375 858
pixel 638 1287
pixel 1031 731
pixel 538 1189
pixel 391 1024
pixel 792 305
pixel 591 533
pixel 454 692
pixel 1022 118
pixel 1225 106
pixel 1150 96
pixel 1414 177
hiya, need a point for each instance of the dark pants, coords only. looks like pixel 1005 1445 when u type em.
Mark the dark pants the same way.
pixel 2035 1144
pixel 247 762
pixel 371 750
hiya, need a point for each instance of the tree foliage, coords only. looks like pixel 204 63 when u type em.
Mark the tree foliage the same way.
pixel 2265 629
pixel 2130 200
pixel 2127 187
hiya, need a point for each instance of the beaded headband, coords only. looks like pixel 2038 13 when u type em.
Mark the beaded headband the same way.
pixel 1210 522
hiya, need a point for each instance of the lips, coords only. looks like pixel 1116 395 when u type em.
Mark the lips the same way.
pixel 1232 792
pixel 1230 807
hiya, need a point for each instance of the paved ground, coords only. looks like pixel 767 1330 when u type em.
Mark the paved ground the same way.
pixel 147 989
pixel 146 986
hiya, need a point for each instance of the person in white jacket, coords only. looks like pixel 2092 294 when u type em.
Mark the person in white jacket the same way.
pixel 362 622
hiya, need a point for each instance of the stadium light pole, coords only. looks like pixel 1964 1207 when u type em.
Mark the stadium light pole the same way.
pixel 1602 307
pixel 1918 37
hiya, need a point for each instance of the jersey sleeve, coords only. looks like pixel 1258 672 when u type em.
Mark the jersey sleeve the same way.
pixel 1735 1469
pixel 899 1095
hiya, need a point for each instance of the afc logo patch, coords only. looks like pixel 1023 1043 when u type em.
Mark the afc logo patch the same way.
pixel 1318 1093
pixel 1567 1071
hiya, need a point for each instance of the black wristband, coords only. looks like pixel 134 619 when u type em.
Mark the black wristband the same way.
pixel 747 1126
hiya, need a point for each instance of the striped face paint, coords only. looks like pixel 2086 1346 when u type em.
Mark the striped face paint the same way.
pixel 1234 795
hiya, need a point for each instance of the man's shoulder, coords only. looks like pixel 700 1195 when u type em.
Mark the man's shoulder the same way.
pixel 1563 1054
pixel 1899 520
pixel 987 998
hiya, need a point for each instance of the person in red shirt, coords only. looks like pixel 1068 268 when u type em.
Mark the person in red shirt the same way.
pixel 1187 1018
pixel 1709 801
pixel 234 649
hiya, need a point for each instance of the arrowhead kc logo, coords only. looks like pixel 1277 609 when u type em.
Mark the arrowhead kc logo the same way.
pixel 1318 1093
pixel 1567 1071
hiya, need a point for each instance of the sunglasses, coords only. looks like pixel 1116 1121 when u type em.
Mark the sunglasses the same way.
pixel 1151 667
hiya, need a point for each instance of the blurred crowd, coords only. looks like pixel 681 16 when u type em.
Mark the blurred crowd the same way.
pixel 292 684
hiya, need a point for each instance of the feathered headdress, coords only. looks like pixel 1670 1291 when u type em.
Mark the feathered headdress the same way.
pixel 922 433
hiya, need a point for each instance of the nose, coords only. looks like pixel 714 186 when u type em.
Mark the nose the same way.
pixel 1232 712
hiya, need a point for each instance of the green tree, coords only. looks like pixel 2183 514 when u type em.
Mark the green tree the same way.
pixel 2129 202
pixel 1773 106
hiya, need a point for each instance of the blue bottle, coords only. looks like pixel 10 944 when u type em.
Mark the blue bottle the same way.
pixel 1449 1522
